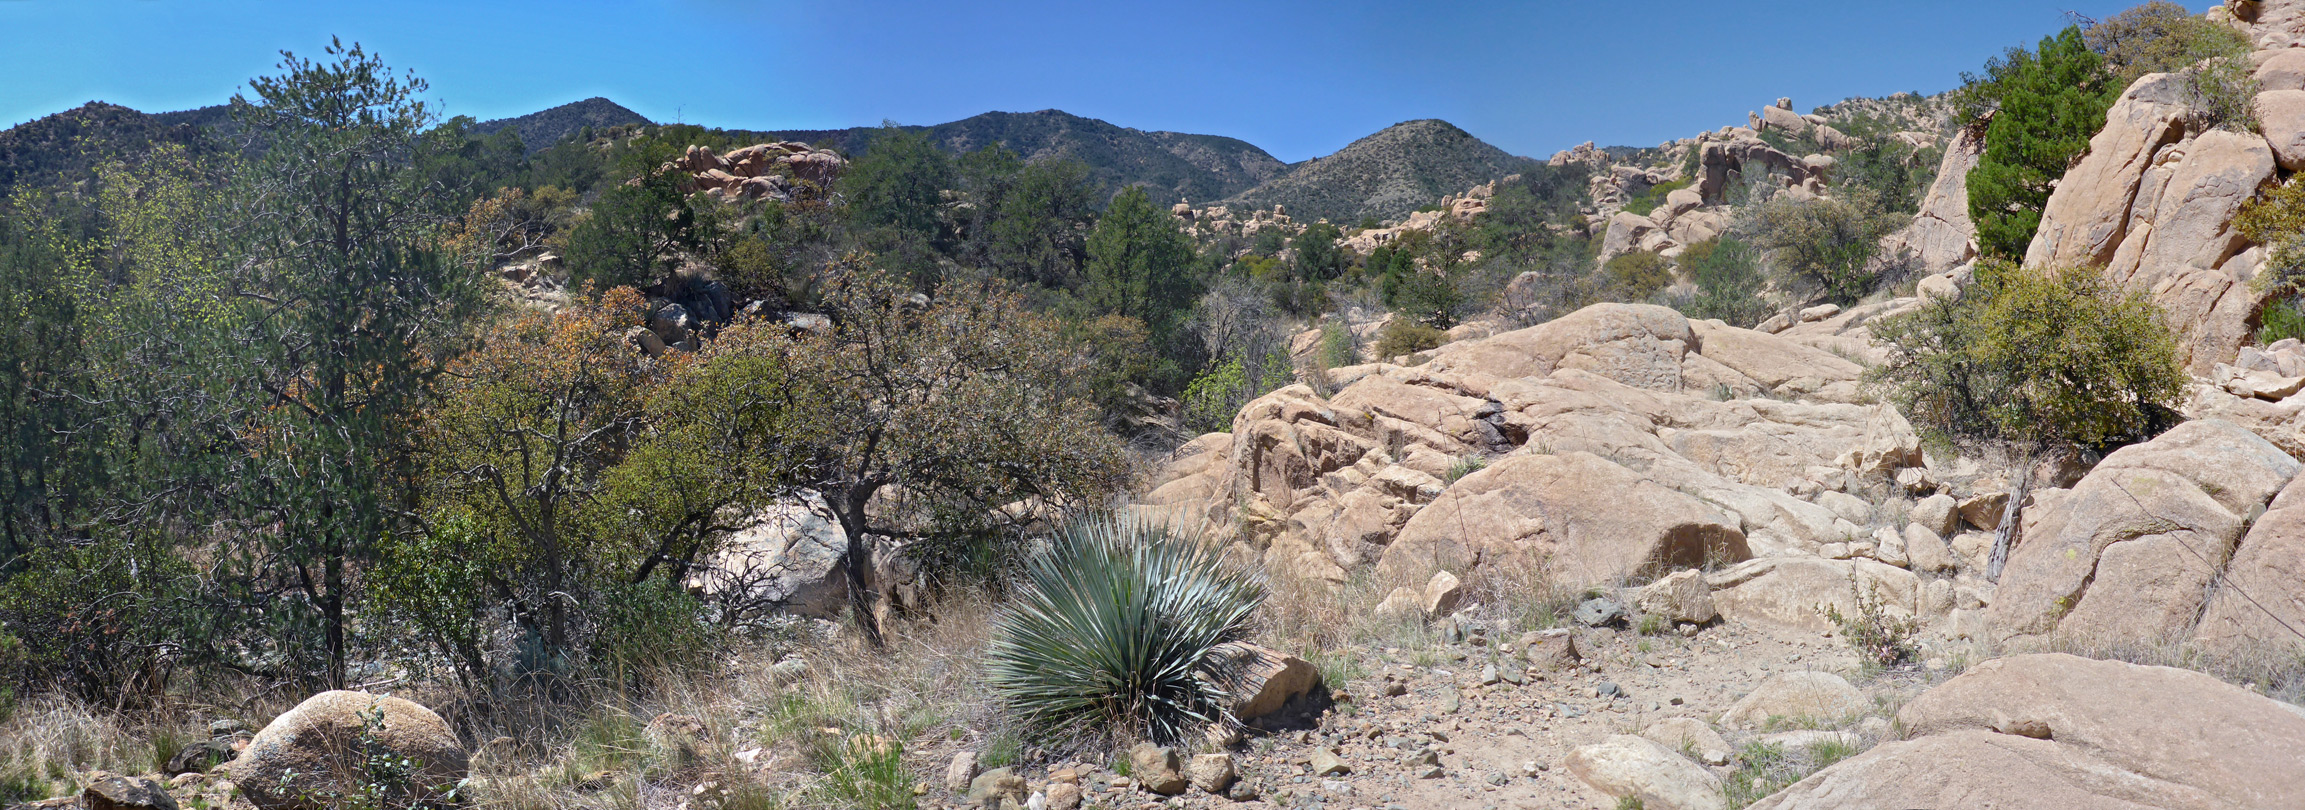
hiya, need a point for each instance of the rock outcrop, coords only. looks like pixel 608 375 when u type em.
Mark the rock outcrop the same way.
pixel 2137 549
pixel 2057 731
pixel 1567 418
pixel 315 756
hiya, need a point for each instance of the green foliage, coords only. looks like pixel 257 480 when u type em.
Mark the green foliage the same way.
pixel 1881 640
pixel 863 771
pixel 1635 276
pixel 1339 346
pixel 632 232
pixel 1027 221
pixel 1139 265
pixel 1464 466
pixel 1891 171
pixel 1729 281
pixel 1655 196
pixel 2276 219
pixel 898 183
pixel 2045 106
pixel 2034 359
pixel 1763 769
pixel 1319 256
pixel 1217 394
pixel 2280 320
pixel 1402 337
pixel 1117 633
pixel 1827 246
pixel 2160 37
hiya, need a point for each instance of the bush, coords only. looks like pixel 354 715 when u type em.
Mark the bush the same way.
pixel 2276 219
pixel 1655 196
pixel 1116 633
pixel 2160 37
pixel 1728 276
pixel 1339 347
pixel 1636 276
pixel 1825 246
pixel 1211 399
pixel 1403 336
pixel 1879 638
pixel 2281 320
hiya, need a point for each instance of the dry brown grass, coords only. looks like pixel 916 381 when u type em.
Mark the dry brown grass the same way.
pixel 2273 670
pixel 48 742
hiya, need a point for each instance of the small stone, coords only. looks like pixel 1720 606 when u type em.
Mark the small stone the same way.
pixel 1607 689
pixel 125 793
pixel 1064 796
pixel 1489 675
pixel 1212 773
pixel 990 787
pixel 1327 763
pixel 1597 612
pixel 961 773
pixel 1430 773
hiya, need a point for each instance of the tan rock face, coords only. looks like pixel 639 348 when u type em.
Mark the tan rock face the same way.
pixel 312 754
pixel 2058 731
pixel 1941 236
pixel 1639 345
pixel 1628 766
pixel 1269 679
pixel 2130 554
pixel 2260 603
pixel 2153 202
pixel 1797 696
pixel 1579 517
pixel 1795 591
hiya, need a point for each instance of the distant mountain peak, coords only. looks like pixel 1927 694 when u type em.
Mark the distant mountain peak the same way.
pixel 1386 174
pixel 546 127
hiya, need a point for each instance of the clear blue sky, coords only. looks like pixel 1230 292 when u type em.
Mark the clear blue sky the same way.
pixel 1300 79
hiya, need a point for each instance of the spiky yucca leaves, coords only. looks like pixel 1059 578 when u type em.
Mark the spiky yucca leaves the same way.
pixel 1116 633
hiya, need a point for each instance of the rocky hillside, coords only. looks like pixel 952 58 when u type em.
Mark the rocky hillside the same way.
pixel 1170 164
pixel 547 127
pixel 1386 175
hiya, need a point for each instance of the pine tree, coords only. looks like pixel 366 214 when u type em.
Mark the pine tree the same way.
pixel 2044 108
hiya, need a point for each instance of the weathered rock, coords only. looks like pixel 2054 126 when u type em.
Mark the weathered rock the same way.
pixel 1157 769
pixel 1771 361
pixel 1268 678
pixel 315 751
pixel 126 793
pixel 2153 201
pixel 961 772
pixel 1581 518
pixel 1941 236
pixel 1937 513
pixel 1598 612
pixel 1212 773
pixel 1692 736
pixel 1325 762
pixel 1640 345
pixel 2057 731
pixel 1809 695
pixel 1552 650
pixel 1681 596
pixel 988 789
pixel 1926 552
pixel 2281 113
pixel 2259 604
pixel 198 757
pixel 788 555
pixel 2130 554
pixel 1627 766
pixel 1796 591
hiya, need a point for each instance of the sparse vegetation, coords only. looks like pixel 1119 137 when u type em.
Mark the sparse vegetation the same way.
pixel 1117 633
pixel 1880 639
pixel 1404 337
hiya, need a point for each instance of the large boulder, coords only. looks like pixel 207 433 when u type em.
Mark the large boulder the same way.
pixel 2259 604
pixel 2056 731
pixel 2153 201
pixel 1941 236
pixel 1581 518
pixel 1796 591
pixel 788 555
pixel 316 756
pixel 1625 766
pixel 1265 679
pixel 1640 345
pixel 2132 553
pixel 1796 696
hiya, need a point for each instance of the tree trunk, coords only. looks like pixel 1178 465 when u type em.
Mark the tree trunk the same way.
pixel 857 562
pixel 2005 535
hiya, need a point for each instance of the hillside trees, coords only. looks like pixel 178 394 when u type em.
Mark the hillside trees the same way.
pixel 634 228
pixel 2033 362
pixel 2044 105
pixel 1826 246
pixel 356 313
pixel 1029 221
pixel 922 418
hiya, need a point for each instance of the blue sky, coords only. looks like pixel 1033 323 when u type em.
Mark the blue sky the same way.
pixel 1300 79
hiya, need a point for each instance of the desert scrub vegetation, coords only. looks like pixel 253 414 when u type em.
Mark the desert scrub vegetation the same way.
pixel 1116 631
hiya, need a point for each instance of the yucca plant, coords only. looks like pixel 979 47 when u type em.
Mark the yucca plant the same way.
pixel 1116 633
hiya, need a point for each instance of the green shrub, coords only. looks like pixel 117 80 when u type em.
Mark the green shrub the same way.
pixel 1339 347
pixel 1879 638
pixel 1636 276
pixel 1116 633
pixel 2160 37
pixel 1213 398
pixel 2281 320
pixel 1828 245
pixel 1728 276
pixel 1403 336
pixel 1466 465
pixel 1655 196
